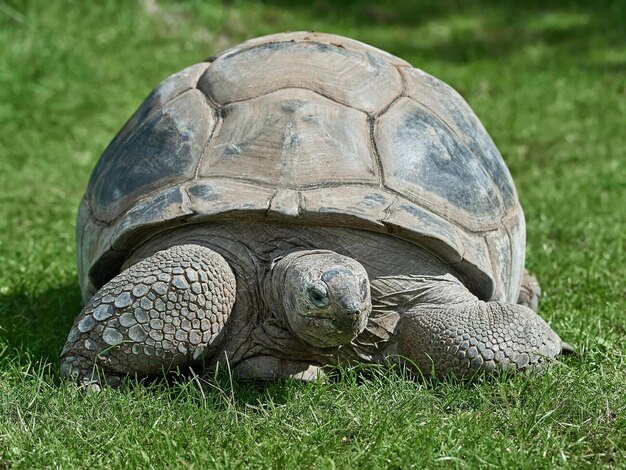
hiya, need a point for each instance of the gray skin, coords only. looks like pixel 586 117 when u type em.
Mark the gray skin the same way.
pixel 269 301
pixel 298 201
pixel 324 297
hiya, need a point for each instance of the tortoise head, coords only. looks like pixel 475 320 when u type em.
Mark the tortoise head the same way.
pixel 325 296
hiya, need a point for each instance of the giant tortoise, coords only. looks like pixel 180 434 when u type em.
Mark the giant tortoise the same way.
pixel 299 201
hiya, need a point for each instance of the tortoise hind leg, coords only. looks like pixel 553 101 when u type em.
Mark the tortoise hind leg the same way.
pixel 157 315
pixel 530 291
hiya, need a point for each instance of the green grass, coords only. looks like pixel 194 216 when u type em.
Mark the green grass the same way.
pixel 547 78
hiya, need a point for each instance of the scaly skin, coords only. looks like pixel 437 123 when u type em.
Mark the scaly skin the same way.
pixel 443 328
pixel 168 309
pixel 467 337
pixel 159 314
pixel 530 291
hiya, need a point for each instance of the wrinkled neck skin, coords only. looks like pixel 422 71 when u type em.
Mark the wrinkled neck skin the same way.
pixel 400 274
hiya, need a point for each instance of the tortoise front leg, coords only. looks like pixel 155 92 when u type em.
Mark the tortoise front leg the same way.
pixel 157 315
pixel 466 337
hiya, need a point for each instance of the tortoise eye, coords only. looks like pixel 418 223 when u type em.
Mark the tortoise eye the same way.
pixel 364 289
pixel 318 295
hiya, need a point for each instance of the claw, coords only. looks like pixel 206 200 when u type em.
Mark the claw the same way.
pixel 567 350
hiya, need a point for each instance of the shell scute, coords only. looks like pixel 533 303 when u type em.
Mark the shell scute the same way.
pixel 214 197
pixel 451 108
pixel 424 160
pixel 162 149
pixel 291 137
pixel 358 78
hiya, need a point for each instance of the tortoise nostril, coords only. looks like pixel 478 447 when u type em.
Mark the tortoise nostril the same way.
pixel 351 307
pixel 354 312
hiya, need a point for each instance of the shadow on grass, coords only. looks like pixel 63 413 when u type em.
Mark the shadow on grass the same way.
pixel 33 329
pixel 459 31
pixel 36 326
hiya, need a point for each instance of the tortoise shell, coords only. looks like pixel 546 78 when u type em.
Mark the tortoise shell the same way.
pixel 308 128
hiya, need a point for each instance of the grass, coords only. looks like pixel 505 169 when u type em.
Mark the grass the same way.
pixel 548 80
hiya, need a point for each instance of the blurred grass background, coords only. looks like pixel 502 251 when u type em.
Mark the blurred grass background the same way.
pixel 548 80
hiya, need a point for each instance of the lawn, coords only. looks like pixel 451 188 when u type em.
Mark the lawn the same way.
pixel 548 80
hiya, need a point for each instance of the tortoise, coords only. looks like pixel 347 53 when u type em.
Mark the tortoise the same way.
pixel 299 201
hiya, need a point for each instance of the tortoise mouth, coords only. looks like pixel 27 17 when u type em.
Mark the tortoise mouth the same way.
pixel 326 333
pixel 341 316
pixel 331 328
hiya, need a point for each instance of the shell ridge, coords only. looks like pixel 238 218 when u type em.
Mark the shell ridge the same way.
pixel 218 121
pixel 269 205
pixel 289 87
pixel 374 148
pixel 511 277
pixel 388 211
